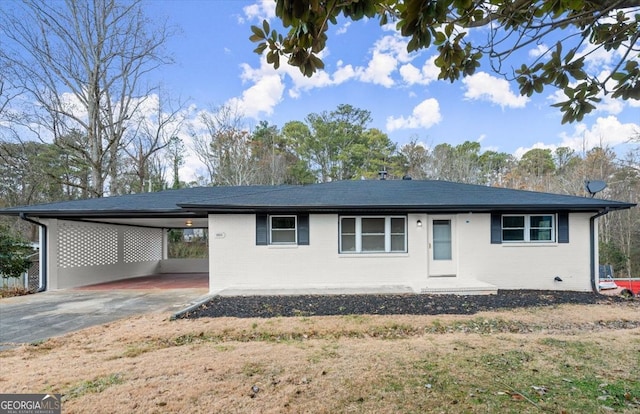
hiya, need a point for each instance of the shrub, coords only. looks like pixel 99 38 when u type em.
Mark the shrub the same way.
pixel 14 254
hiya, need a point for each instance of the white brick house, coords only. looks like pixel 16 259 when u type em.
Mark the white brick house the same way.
pixel 348 236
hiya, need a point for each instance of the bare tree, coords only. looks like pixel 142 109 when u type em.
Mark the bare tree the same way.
pixel 152 131
pixel 82 64
pixel 175 156
pixel 415 158
pixel 224 147
pixel 7 91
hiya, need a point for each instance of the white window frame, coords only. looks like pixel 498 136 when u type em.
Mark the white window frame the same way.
pixel 527 228
pixel 271 229
pixel 358 235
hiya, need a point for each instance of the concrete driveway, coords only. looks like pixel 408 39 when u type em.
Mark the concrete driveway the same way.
pixel 33 318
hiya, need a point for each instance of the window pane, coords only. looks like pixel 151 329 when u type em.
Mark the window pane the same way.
pixel 373 225
pixel 541 221
pixel 442 230
pixel 283 236
pixel 372 243
pixel 397 243
pixel 348 225
pixel 397 226
pixel 348 243
pixel 442 239
pixel 512 221
pixel 513 235
pixel 441 251
pixel 283 222
pixel 540 234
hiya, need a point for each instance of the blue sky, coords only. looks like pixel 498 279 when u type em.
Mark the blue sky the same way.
pixel 368 67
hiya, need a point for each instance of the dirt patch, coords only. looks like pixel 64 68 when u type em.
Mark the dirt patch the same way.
pixel 571 358
pixel 9 292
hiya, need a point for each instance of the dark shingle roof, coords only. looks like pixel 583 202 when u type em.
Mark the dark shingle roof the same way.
pixel 162 203
pixel 363 196
pixel 397 195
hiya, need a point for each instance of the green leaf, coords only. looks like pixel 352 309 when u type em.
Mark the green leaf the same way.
pixel 618 76
pixel 538 85
pixel 569 56
pixel 260 49
pixel 448 29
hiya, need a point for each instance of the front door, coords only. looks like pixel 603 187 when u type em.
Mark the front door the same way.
pixel 442 246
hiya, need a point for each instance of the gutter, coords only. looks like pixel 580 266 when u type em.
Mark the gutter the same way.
pixel 592 247
pixel 43 252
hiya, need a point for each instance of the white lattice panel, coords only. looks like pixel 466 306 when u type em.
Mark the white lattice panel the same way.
pixel 142 245
pixel 86 244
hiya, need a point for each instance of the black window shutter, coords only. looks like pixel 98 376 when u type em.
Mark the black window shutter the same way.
pixel 563 227
pixel 262 233
pixel 303 229
pixel 496 228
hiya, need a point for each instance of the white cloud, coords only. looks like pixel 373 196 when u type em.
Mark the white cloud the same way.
pixel 425 115
pixel 259 11
pixel 395 46
pixel 260 98
pixel 538 51
pixel 343 28
pixel 634 103
pixel 387 54
pixel 343 73
pixel 412 75
pixel 599 59
pixel 485 87
pixel 605 132
pixel 610 105
pixel 379 70
pixel 319 79
pixel 72 105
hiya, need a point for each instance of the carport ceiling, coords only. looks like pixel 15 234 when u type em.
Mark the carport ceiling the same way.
pixel 168 223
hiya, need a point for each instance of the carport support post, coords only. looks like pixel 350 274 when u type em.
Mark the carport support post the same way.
pixel 165 244
pixel 42 260
pixel 52 254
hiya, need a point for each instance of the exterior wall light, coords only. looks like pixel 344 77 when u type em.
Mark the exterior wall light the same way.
pixel 189 223
pixel 419 223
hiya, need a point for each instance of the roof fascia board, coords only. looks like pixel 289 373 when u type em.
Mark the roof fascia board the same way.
pixel 404 209
pixel 112 214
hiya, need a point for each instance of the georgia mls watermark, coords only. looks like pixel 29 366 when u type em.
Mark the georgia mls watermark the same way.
pixel 30 404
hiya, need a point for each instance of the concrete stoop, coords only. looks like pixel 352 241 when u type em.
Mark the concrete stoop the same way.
pixel 449 287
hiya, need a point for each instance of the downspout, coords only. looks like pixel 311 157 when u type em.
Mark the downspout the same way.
pixel 43 252
pixel 592 245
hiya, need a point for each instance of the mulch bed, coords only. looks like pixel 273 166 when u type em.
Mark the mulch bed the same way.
pixel 406 304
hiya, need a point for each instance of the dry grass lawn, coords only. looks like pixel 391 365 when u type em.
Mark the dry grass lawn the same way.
pixel 560 359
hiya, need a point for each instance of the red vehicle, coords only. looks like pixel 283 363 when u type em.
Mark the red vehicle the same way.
pixel 623 285
pixel 632 284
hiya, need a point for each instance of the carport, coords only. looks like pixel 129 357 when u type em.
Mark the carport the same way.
pixel 124 238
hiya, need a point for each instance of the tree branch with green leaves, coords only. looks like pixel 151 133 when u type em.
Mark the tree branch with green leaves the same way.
pixel 583 27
